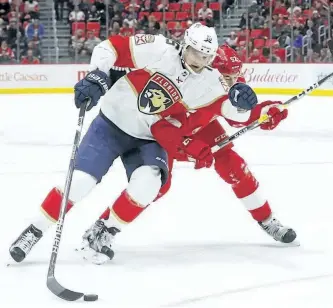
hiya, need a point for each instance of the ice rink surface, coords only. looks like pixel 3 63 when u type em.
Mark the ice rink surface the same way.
pixel 196 247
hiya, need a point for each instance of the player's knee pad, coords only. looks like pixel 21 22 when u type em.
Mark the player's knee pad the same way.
pixel 230 166
pixel 144 184
pixel 82 184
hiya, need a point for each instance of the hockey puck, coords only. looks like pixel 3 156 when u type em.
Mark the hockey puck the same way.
pixel 90 297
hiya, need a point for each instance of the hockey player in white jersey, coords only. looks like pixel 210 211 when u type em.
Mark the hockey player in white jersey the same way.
pixel 168 80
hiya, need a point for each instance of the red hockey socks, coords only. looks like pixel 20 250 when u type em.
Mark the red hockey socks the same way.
pixel 51 205
pixel 50 209
pixel 233 169
pixel 247 191
pixel 123 211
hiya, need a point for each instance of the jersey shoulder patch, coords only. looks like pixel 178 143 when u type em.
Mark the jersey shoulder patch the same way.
pixel 141 39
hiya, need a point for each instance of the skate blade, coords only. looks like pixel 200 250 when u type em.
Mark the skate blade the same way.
pixel 295 243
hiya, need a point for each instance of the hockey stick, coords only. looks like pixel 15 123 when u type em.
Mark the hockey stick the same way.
pixel 265 117
pixel 53 285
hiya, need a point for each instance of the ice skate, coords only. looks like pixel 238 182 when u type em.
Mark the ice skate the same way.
pixel 275 229
pixel 24 243
pixel 97 242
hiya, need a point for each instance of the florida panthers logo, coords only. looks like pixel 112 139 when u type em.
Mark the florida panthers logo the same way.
pixel 158 95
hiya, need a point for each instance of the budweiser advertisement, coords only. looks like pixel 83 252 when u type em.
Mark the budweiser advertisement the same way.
pixel 265 78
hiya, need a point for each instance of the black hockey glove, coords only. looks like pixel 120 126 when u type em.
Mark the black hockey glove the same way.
pixel 91 88
pixel 242 96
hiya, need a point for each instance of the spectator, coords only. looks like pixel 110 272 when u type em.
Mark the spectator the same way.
pixel 32 45
pixel 143 23
pixel 91 42
pixel 126 30
pixel 76 44
pixel 177 34
pixel 316 19
pixel 6 53
pixel 13 34
pixel 265 34
pixel 101 8
pixel 163 6
pixel 205 12
pixel 227 4
pixel 4 9
pixel 278 51
pixel 294 10
pixel 297 15
pixel 280 8
pixel 115 30
pixel 232 40
pixel 93 14
pixel 257 21
pixel 84 7
pixel 270 58
pixel 26 22
pixel 149 6
pixel 256 57
pixel 325 55
pixel 116 18
pixel 29 58
pixel 278 29
pixel 35 31
pixel 242 35
pixel 59 12
pixel 13 14
pixel 241 51
pixel 133 6
pixel 31 7
pixel 253 8
pixel 76 15
pixel 3 32
pixel 298 39
pixel 130 21
pixel 153 25
pixel 245 21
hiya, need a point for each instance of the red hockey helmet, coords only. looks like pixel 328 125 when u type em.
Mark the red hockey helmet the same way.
pixel 227 61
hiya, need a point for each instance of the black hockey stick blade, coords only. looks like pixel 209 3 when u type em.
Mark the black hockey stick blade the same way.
pixel 58 290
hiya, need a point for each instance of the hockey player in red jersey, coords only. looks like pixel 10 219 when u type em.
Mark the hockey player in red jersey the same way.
pixel 229 165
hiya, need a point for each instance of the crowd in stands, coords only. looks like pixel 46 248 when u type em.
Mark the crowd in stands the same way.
pixel 20 32
pixel 289 31
pixel 126 18
pixel 270 30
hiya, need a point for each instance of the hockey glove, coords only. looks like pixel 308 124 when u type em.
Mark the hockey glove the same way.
pixel 171 139
pixel 198 151
pixel 276 113
pixel 91 88
pixel 242 97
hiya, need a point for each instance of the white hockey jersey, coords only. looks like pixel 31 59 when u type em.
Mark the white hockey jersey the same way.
pixel 159 87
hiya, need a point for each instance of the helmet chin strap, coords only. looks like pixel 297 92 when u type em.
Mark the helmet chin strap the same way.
pixel 185 65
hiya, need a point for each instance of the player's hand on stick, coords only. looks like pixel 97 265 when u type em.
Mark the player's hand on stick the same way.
pixel 275 111
pixel 198 151
pixel 91 88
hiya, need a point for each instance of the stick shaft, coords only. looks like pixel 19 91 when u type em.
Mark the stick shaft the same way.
pixel 263 118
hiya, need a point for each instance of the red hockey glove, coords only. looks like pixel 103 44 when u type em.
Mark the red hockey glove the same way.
pixel 199 151
pixel 276 113
pixel 171 139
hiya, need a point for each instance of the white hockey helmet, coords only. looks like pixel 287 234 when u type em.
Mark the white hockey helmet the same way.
pixel 201 38
pixel 201 43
